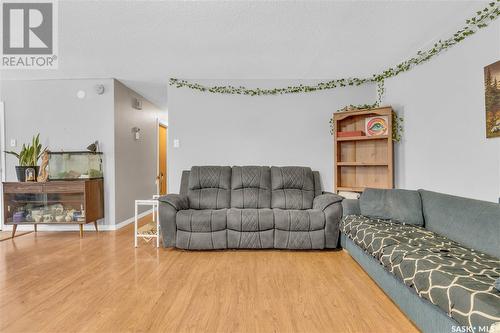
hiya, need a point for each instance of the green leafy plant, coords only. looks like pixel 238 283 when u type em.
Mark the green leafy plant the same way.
pixel 29 154
pixel 480 20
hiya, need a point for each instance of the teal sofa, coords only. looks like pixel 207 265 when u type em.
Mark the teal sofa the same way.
pixel 436 255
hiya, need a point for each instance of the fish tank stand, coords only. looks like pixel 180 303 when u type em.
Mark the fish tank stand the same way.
pixel 75 202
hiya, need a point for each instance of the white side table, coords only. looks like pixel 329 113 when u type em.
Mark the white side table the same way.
pixel 156 218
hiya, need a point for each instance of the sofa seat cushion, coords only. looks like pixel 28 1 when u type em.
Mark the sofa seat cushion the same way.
pixel 250 219
pixel 457 279
pixel 250 228
pixel 299 220
pixel 207 220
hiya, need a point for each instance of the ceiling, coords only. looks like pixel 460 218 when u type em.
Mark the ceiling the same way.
pixel 144 43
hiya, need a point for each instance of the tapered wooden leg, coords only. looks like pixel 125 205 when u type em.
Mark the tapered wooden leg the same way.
pixel 14 227
pixel 81 230
pixel 95 224
pixel 35 227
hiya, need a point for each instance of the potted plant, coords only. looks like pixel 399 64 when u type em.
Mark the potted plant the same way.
pixel 28 157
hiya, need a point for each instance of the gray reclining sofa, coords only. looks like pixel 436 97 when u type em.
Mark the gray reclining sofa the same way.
pixel 258 207
pixel 436 255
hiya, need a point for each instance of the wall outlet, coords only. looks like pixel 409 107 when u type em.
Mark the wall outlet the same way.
pixel 12 142
pixel 177 143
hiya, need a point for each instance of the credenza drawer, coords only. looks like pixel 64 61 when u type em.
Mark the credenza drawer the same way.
pixel 64 187
pixel 23 188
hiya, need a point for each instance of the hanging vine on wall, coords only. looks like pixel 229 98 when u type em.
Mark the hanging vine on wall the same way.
pixel 480 20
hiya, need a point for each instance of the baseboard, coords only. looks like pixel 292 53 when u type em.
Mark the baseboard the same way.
pixel 86 227
pixel 131 220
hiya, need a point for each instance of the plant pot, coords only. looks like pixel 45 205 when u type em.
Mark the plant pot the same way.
pixel 21 172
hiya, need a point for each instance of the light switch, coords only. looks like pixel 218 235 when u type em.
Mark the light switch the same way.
pixel 177 144
pixel 12 142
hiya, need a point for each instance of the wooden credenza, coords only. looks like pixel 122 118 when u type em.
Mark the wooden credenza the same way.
pixel 54 202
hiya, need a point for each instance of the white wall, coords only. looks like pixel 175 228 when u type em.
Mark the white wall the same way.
pixel 290 129
pixel 51 108
pixel 444 145
pixel 135 160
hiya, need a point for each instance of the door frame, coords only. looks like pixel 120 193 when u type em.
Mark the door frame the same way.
pixel 159 123
pixel 2 158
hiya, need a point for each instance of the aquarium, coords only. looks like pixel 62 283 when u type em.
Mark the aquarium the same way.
pixel 75 165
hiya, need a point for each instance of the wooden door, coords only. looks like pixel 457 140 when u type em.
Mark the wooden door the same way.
pixel 162 159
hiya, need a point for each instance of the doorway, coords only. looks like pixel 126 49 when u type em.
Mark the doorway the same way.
pixel 2 159
pixel 162 159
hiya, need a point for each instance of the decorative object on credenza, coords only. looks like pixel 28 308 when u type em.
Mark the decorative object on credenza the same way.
pixel 492 99
pixel 377 125
pixel 28 158
pixel 43 174
pixel 30 174
pixel 93 147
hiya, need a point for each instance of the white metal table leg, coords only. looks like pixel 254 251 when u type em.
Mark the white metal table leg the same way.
pixel 135 226
pixel 157 224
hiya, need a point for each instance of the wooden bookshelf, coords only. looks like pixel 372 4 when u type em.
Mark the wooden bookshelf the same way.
pixel 362 161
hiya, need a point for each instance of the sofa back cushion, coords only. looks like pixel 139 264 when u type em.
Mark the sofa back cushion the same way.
pixel 403 206
pixel 473 223
pixel 209 187
pixel 251 187
pixel 292 187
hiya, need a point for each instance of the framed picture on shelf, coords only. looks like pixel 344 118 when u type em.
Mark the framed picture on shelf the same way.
pixel 378 125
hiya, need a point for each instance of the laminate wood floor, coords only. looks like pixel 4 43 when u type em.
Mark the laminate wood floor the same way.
pixel 57 282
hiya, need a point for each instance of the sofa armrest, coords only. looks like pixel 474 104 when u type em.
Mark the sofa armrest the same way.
pixel 333 215
pixel 179 202
pixel 351 207
pixel 322 201
pixel 169 205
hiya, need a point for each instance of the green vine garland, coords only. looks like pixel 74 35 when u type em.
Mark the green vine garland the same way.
pixel 480 20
